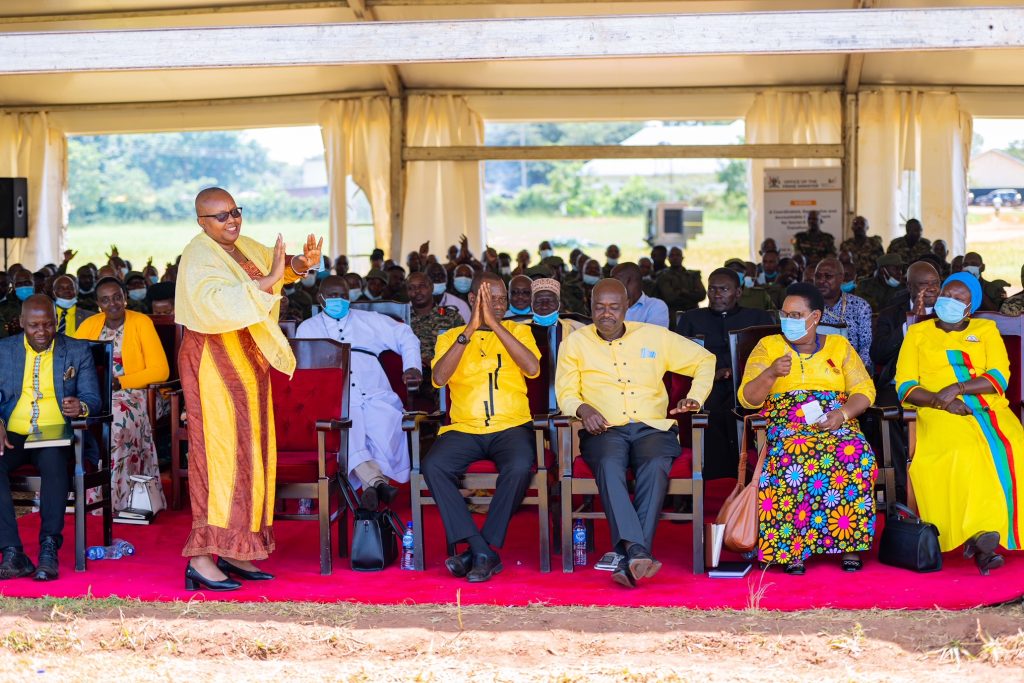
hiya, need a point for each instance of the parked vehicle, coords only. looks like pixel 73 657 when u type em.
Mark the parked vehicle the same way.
pixel 1004 197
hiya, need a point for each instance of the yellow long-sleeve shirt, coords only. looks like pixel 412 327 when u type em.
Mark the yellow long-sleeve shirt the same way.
pixel 623 379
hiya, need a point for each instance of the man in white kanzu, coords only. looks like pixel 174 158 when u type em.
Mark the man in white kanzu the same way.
pixel 377 448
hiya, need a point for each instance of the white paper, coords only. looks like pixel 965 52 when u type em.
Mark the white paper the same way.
pixel 812 412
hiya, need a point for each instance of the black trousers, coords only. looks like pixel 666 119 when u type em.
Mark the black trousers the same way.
pixel 649 452
pixel 886 396
pixel 511 450
pixel 721 450
pixel 52 464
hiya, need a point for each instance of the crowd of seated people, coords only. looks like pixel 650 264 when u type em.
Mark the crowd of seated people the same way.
pixel 816 491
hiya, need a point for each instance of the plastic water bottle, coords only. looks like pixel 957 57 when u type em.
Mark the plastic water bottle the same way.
pixel 115 551
pixel 579 544
pixel 408 552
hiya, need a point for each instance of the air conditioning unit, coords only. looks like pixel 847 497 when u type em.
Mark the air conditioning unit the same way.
pixel 673 223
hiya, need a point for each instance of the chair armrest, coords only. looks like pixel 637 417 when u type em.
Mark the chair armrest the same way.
pixel 174 384
pixel 543 420
pixel 332 425
pixel 564 425
pixel 86 422
pixel 563 421
pixel 412 421
pixel 910 415
pixel 699 420
pixel 889 413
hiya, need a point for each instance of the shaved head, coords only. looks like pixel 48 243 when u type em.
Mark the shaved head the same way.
pixel 209 195
pixel 609 302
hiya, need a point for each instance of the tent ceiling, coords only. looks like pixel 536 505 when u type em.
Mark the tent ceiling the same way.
pixel 961 68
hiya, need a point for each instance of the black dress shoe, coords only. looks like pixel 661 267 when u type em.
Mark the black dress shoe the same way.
pixel 230 569
pixel 46 570
pixel 982 543
pixel 459 565
pixel 641 564
pixel 379 494
pixel 385 492
pixel 484 567
pixel 622 575
pixel 15 564
pixel 193 580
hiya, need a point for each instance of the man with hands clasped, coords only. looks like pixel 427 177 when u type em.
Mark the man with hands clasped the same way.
pixel 610 375
pixel 484 365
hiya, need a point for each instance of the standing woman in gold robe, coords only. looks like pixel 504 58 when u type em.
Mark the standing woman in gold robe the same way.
pixel 227 297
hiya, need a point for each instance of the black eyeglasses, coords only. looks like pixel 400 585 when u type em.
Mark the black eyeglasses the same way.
pixel 223 215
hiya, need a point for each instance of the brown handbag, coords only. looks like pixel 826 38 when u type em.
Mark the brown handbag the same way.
pixel 739 511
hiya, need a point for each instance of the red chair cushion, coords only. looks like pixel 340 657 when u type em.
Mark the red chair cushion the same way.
pixel 296 467
pixel 682 467
pixel 311 395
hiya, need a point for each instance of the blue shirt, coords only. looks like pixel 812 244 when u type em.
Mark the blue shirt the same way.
pixel 648 309
pixel 856 313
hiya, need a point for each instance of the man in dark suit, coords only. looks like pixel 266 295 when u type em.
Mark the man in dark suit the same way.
pixel 923 283
pixel 722 315
pixel 46 379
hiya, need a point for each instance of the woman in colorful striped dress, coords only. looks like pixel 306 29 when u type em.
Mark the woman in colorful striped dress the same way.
pixel 969 460
pixel 227 297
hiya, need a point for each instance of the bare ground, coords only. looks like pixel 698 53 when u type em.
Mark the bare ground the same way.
pixel 71 640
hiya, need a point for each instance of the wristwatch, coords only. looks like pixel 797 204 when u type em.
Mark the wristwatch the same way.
pixel 462 339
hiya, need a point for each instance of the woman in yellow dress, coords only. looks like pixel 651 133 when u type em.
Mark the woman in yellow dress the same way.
pixel 227 297
pixel 815 494
pixel 969 457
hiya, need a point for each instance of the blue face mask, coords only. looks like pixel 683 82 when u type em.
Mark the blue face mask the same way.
pixel 321 274
pixel 519 311
pixel 439 288
pixel 462 284
pixel 949 310
pixel 545 320
pixel 153 279
pixel 354 294
pixel 66 303
pixel 24 292
pixel 336 307
pixel 973 270
pixel 892 282
pixel 848 286
pixel 794 329
pixel 137 294
pixel 591 280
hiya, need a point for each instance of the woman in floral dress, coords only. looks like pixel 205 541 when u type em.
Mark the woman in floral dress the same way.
pixel 815 494
pixel 139 360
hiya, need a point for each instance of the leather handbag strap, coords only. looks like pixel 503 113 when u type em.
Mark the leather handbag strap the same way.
pixel 741 476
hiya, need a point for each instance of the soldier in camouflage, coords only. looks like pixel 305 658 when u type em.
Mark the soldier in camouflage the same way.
pixel 814 243
pixel 680 289
pixel 428 320
pixel 865 249
pixel 994 291
pixel 1015 304
pixel 911 246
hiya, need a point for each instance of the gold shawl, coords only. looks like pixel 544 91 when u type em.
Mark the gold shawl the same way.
pixel 214 295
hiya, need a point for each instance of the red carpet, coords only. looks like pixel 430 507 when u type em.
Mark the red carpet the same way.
pixel 155 572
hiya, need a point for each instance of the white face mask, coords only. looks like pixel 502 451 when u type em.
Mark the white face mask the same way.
pixel 546 253
pixel 748 281
pixel 309 280
pixel 505 270
pixel 354 294
pixel 973 270
pixel 613 262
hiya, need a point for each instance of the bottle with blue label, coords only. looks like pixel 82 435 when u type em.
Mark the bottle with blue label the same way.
pixel 115 551
pixel 408 548
pixel 579 544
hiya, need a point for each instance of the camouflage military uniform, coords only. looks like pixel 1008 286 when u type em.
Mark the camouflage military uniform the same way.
pixel 427 327
pixel 1014 305
pixel 865 256
pixel 648 286
pixel 573 296
pixel 908 253
pixel 680 289
pixel 993 294
pixel 878 294
pixel 814 245
pixel 756 297
pixel 777 293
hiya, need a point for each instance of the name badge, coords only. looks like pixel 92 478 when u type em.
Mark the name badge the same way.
pixel 972 338
pixel 647 353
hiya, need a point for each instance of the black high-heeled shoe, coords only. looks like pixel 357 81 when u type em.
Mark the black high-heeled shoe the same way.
pixel 230 569
pixel 193 580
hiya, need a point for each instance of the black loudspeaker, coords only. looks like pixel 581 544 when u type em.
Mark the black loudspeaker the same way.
pixel 13 208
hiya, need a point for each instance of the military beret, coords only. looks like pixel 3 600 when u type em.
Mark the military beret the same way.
pixel 890 260
pixel 378 274
pixel 735 262
pixel 553 262
pixel 538 271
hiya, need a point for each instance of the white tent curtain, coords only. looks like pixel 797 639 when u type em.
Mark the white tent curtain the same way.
pixel 913 152
pixel 357 142
pixel 31 148
pixel 789 118
pixel 443 198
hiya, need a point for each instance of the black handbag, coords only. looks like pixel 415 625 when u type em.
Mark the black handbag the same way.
pixel 909 542
pixel 374 540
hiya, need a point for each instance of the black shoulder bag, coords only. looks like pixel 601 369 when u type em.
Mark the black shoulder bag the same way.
pixel 374 540
pixel 909 542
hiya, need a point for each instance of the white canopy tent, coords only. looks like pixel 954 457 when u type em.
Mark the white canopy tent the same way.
pixel 886 88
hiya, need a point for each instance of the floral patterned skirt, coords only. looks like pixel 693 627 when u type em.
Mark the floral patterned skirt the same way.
pixel 816 491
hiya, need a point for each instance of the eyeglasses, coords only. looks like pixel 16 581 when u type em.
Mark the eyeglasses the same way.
pixel 223 215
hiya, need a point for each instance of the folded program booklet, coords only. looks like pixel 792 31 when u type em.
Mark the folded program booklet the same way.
pixel 49 437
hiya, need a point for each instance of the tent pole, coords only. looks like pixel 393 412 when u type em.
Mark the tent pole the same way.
pixel 397 173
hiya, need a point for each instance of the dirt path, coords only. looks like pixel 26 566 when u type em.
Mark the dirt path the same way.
pixel 76 640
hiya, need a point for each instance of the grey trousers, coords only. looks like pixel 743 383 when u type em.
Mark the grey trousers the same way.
pixel 649 452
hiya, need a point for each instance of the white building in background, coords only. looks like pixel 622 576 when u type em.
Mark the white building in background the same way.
pixel 995 169
pixel 616 172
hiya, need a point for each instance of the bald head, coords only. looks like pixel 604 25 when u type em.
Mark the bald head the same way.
pixel 209 196
pixel 609 302
pixel 39 320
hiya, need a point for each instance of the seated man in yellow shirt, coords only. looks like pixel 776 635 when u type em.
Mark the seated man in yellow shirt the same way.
pixel 485 365
pixel 46 380
pixel 610 376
